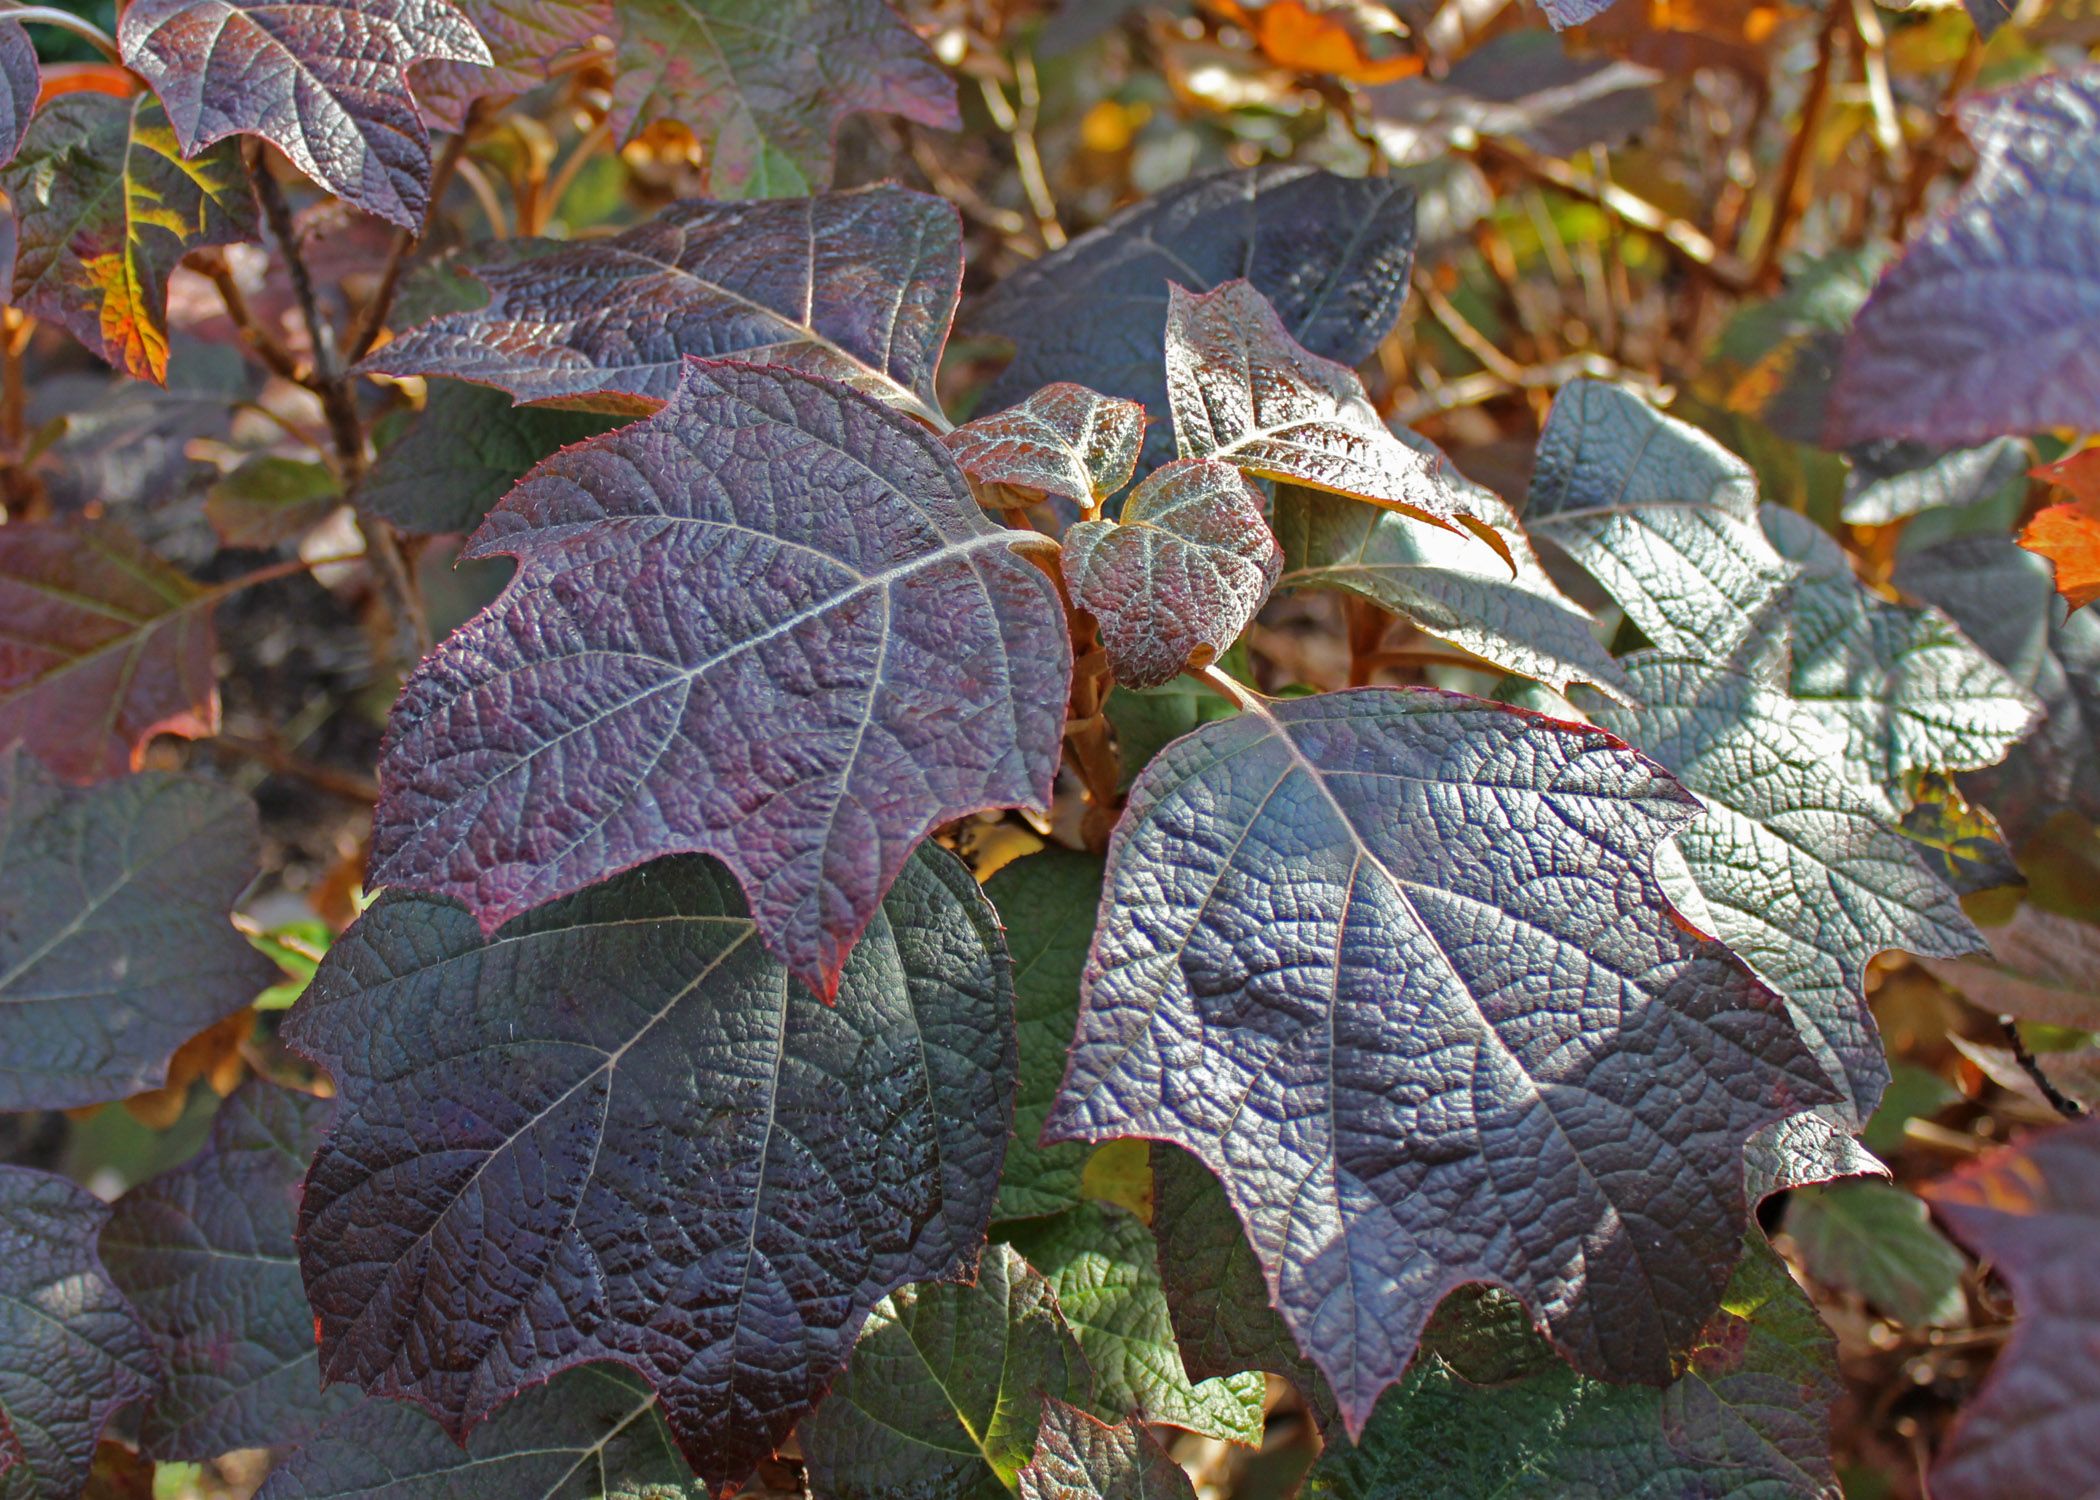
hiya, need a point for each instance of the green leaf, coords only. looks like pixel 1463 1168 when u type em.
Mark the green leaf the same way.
pixel 105 205
pixel 1876 1239
pixel 1102 1263
pixel 1078 1458
pixel 943 1395
pixel 269 500
pixel 1913 1093
pixel 1748 1420
pixel 1047 902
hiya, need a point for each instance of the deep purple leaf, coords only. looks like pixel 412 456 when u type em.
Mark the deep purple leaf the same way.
pixel 20 79
pixel 1989 322
pixel 1393 964
pixel 71 1348
pixel 770 624
pixel 618 1130
pixel 856 286
pixel 1063 440
pixel 205 1252
pixel 1079 1458
pixel 324 81
pixel 115 944
pixel 2033 1212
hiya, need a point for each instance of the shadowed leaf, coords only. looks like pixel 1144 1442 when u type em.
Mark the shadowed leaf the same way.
pixel 1891 480
pixel 1063 440
pixel 681 1159
pixel 1876 1239
pixel 1078 1458
pixel 524 38
pixel 270 500
pixel 2043 967
pixel 18 87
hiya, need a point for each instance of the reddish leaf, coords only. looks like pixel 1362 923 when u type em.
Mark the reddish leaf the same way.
pixel 2033 1211
pixel 856 286
pixel 322 80
pixel 1079 1458
pixel 1063 440
pixel 1178 578
pixel 106 646
pixel 769 623
pixel 19 86
pixel 524 37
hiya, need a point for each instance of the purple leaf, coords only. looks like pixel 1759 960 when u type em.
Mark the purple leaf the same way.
pixel 324 81
pixel 20 79
pixel 617 1130
pixel 856 286
pixel 1178 578
pixel 1079 1458
pixel 769 624
pixel 1393 963
pixel 523 37
pixel 1989 322
pixel 1063 440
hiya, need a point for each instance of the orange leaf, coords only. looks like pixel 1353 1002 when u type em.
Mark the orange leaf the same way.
pixel 84 78
pixel 2078 475
pixel 2069 536
pixel 1317 39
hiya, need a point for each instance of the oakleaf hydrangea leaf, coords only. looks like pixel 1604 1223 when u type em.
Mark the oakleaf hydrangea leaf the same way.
pixel 20 79
pixel 1102 1262
pixel 324 81
pixel 115 945
pixel 1891 480
pixel 71 1348
pixel 104 207
pixel 1489 1412
pixel 677 1156
pixel 1078 1458
pixel 763 84
pixel 107 646
pixel 945 1389
pixel 1801 875
pixel 1877 1240
pixel 1178 578
pixel 205 1252
pixel 1047 902
pixel 524 38
pixel 1986 324
pixel 2003 597
pixel 1330 253
pixel 770 624
pixel 462 455
pixel 1244 391
pixel 1063 440
pixel 2043 967
pixel 2032 1211
pixel 593 1433
pixel 1393 964
pixel 856 286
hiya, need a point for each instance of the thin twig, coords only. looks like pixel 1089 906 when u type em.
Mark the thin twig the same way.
pixel 1486 385
pixel 1028 160
pixel 2059 1101
pixel 1932 156
pixel 1469 338
pixel 212 264
pixel 582 152
pixel 15 328
pixel 1786 196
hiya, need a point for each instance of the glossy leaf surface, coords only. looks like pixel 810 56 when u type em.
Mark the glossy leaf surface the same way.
pixel 205 1253
pixel 770 624
pixel 1331 253
pixel 1063 440
pixel 106 647
pixel 115 944
pixel 1986 324
pixel 74 1350
pixel 1393 964
pixel 678 1158
pixel 1876 1239
pixel 104 207
pixel 324 81
pixel 1078 1458
pixel 856 286
pixel 944 1393
pixel 1177 579
pixel 2032 1211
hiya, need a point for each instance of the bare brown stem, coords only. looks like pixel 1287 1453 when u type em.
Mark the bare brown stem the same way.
pixel 1786 198
pixel 1931 157
pixel 373 319
pixel 277 359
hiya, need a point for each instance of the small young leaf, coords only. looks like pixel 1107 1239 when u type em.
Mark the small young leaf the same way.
pixel 1331 253
pixel 270 500
pixel 1244 391
pixel 2045 968
pixel 115 946
pixel 1063 440
pixel 1047 902
pixel 71 1348
pixel 944 1394
pixel 463 454
pixel 1177 579
pixel 105 206
pixel 324 81
pixel 856 286
pixel 677 1157
pixel 2004 598
pixel 1102 1262
pixel 1078 1458
pixel 1326 916
pixel 19 83
pixel 205 1251
pixel 769 623
pixel 2032 1211
pixel 1876 1239
pixel 107 647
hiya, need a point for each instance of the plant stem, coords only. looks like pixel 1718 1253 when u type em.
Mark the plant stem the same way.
pixel 373 319
pixel 212 264
pixel 1786 198
pixel 2059 1101
pixel 1931 157
pixel 65 20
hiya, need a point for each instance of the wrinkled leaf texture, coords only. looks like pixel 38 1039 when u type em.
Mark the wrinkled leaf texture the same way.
pixel 1063 440
pixel 324 81
pixel 115 946
pixel 770 624
pixel 1078 1458
pixel 618 1130
pixel 859 286
pixel 1393 964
